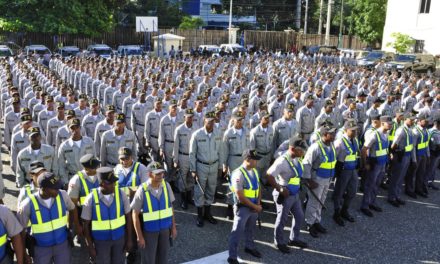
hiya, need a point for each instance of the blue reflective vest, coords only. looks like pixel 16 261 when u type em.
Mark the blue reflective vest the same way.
pixel 49 226
pixel 108 222
pixel 3 240
pixel 327 167
pixel 157 213
pixel 381 149
pixel 422 142
pixel 129 180
pixel 294 182
pixel 251 187
pixel 85 187
pixel 352 151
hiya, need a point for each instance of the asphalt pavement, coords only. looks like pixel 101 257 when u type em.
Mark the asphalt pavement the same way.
pixel 409 234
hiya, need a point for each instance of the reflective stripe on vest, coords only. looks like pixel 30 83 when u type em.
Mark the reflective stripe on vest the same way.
pixel 85 187
pixel 392 132
pixel 409 145
pixel 156 219
pixel 3 239
pixel 133 184
pixel 423 143
pixel 28 191
pixel 294 182
pixel 108 227
pixel 253 191
pixel 326 169
pixel 381 151
pixel 49 232
pixel 350 161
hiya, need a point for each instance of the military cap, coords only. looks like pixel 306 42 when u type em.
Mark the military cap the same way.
pixel 89 161
pixel 34 131
pixel 25 118
pixel 120 118
pixel 74 122
pixel 70 113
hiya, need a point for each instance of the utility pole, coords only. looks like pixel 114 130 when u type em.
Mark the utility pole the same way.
pixel 306 16
pixel 327 27
pixel 230 22
pixel 321 7
pixel 341 24
pixel 298 14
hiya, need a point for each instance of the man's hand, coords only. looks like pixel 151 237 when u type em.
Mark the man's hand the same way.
pixel 258 208
pixel 27 259
pixel 174 232
pixel 141 242
pixel 284 192
pixel 92 252
pixel 367 167
pixel 128 245
pixel 312 184
pixel 194 175
pixel 176 165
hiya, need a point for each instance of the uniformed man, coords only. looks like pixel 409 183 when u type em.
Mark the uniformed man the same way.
pixel 286 127
pixel 434 147
pixel 181 146
pixel 84 181
pixel 130 173
pixel 36 168
pixel 138 113
pixel 403 153
pixel 20 139
pixel 47 212
pixel 347 164
pixel 11 229
pixel 71 151
pixel 35 151
pixel 107 220
pixel 104 126
pixel 45 114
pixel 11 120
pixel 374 156
pixel 285 177
pixel 91 120
pixel 152 125
pixel 245 184
pixel 114 139
pixel 306 118
pixel 54 124
pixel 167 127
pixel 319 169
pixel 158 225
pixel 205 166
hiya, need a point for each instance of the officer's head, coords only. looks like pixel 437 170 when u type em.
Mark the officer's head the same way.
pixel 49 184
pixel 409 119
pixel 35 137
pixel 297 147
pixel 155 172
pixel 94 104
pixel 350 127
pixel 90 164
pixel 250 158
pixel 289 111
pixel 189 114
pixel 328 134
pixel 173 107
pixel 423 120
pixel 36 168
pixel 158 104
pixel 209 121
pixel 74 126
pixel 386 122
pixel 119 122
pixel 125 157
pixel 26 121
pixel 110 112
pixel 265 118
pixel 106 179
pixel 238 120
pixel 309 101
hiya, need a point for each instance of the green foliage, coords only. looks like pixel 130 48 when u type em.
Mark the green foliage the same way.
pixel 191 23
pixel 402 42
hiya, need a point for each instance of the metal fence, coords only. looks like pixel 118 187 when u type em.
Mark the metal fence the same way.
pixel 193 38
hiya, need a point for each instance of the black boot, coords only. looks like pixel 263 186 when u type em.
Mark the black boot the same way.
pixel 346 215
pixel 337 217
pixel 183 203
pixel 208 216
pixel 189 198
pixel 230 212
pixel 199 217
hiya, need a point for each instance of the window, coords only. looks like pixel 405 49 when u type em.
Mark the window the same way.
pixel 425 5
pixel 419 46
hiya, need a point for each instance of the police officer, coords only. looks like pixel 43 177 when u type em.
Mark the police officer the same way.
pixel 107 220
pixel 10 228
pixel 285 127
pixel 167 126
pixel 47 212
pixel 20 139
pixel 245 184
pixel 71 151
pixel 374 156
pixel 84 181
pixel 130 173
pixel 35 151
pixel 434 147
pixel 138 113
pixel 319 169
pixel 114 139
pixel 182 138
pixel 91 120
pixel 403 153
pixel 306 118
pixel 104 126
pixel 11 120
pixel 54 124
pixel 152 125
pixel 36 168
pixel 284 176
pixel 261 139
pixel 158 225
pixel 347 164
pixel 205 166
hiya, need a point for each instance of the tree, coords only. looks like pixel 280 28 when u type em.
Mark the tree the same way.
pixel 402 42
pixel 191 23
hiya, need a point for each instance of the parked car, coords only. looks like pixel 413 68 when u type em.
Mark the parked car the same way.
pixel 39 49
pixel 322 49
pixel 67 51
pixel 99 50
pixel 16 49
pixel 233 49
pixel 5 51
pixel 130 50
pixel 209 50
pixel 374 57
pixel 422 63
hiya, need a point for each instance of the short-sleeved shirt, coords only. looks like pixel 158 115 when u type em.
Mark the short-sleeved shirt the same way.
pixel 281 170
pixel 88 204
pixel 10 222
pixel 75 184
pixel 371 140
pixel 138 199
pixel 238 180
pixel 22 195
pixel 24 212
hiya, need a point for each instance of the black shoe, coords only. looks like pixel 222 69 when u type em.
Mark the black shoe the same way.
pixel 313 231
pixel 394 203
pixel 320 228
pixel 131 258
pixel 253 252
pixel 208 216
pixel 424 195
pixel 233 261
pixel 230 212
pixel 401 202
pixel 411 194
pixel 338 219
pixel 297 243
pixel 183 203
pixel 346 215
pixel 432 186
pixel 384 186
pixel 200 217
pixel 367 212
pixel 375 208
pixel 284 249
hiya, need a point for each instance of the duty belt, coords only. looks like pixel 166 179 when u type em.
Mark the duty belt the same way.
pixel 138 124
pixel 153 136
pixel 169 141
pixel 207 163
pixel 183 153
pixel 236 155
pixel 263 153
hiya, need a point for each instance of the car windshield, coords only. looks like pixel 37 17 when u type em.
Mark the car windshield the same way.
pixel 214 50
pixel 66 53
pixel 4 53
pixel 102 51
pixel 41 51
pixel 133 52
pixel 374 56
pixel 405 58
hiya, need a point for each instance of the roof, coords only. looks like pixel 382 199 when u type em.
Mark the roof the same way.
pixel 169 36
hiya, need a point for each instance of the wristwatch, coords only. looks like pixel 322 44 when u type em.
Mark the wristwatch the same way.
pixel 281 190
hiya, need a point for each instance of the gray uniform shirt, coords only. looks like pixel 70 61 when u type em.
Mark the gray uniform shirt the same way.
pixel 75 184
pixel 111 143
pixel 205 148
pixel 281 170
pixel 400 139
pixel 86 213
pixel 182 138
pixel 313 159
pixel 10 222
pixel 261 140
pixel 90 122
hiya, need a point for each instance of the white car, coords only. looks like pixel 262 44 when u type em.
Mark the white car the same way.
pixel 233 49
